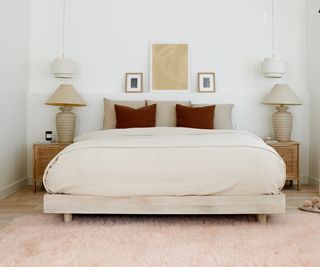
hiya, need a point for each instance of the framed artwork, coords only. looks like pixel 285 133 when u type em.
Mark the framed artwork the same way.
pixel 134 82
pixel 169 67
pixel 206 82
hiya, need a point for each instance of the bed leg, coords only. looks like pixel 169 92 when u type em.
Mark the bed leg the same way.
pixel 67 217
pixel 262 218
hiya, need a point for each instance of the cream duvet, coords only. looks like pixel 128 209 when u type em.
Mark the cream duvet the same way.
pixel 166 162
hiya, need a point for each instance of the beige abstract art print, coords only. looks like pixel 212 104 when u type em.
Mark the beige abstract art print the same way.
pixel 169 67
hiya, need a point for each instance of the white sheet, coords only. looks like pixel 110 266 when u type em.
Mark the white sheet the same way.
pixel 166 162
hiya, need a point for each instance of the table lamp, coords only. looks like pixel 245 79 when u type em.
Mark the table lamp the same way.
pixel 282 96
pixel 66 97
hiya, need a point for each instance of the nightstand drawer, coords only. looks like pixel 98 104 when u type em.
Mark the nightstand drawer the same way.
pixel 42 155
pixel 289 152
pixel 40 168
pixel 47 153
pixel 289 155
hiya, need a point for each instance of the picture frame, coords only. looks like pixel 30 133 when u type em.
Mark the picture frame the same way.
pixel 206 82
pixel 170 67
pixel 134 82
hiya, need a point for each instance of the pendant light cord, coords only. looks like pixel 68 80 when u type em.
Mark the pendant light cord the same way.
pixel 63 25
pixel 273 29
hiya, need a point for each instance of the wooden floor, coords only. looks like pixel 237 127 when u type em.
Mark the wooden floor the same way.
pixel 25 202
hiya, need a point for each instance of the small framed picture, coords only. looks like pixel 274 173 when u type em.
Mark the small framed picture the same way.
pixel 206 82
pixel 134 82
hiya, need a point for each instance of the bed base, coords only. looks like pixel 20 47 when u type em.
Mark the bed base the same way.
pixel 262 205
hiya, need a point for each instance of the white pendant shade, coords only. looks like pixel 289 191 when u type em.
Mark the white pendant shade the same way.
pixel 273 67
pixel 63 68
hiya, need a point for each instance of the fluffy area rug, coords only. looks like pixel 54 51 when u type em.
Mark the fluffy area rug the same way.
pixel 44 240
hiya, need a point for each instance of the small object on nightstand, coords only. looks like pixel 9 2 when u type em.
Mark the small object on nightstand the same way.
pixel 48 136
pixel 43 153
pixel 289 151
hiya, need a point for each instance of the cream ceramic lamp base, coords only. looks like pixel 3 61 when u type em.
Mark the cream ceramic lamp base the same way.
pixel 282 124
pixel 66 124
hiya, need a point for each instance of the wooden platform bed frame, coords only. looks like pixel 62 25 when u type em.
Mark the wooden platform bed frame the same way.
pixel 261 205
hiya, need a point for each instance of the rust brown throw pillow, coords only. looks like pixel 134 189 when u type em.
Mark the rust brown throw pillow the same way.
pixel 135 118
pixel 200 117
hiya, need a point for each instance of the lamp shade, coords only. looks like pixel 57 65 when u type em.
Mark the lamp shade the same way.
pixel 273 67
pixel 63 68
pixel 281 94
pixel 65 95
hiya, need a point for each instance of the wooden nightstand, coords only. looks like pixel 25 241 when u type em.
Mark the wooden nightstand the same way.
pixel 289 151
pixel 42 155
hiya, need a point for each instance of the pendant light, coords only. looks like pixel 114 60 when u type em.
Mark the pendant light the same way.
pixel 273 67
pixel 63 67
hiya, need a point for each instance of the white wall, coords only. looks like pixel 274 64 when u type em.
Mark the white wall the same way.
pixel 14 71
pixel 313 81
pixel 109 38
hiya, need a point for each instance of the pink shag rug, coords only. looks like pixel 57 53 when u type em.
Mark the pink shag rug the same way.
pixel 44 240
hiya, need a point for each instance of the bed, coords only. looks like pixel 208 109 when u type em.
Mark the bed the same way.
pixel 166 170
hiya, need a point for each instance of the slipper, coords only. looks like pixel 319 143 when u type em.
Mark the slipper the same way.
pixel 312 205
pixel 310 209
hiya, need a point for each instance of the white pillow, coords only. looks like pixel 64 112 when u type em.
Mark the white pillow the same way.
pixel 110 120
pixel 222 115
pixel 166 112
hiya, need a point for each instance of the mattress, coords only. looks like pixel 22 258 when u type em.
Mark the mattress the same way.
pixel 166 161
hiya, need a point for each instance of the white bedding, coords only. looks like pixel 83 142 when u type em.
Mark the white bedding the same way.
pixel 166 162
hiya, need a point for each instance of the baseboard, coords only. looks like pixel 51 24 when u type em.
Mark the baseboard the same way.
pixel 314 181
pixel 304 179
pixel 13 188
